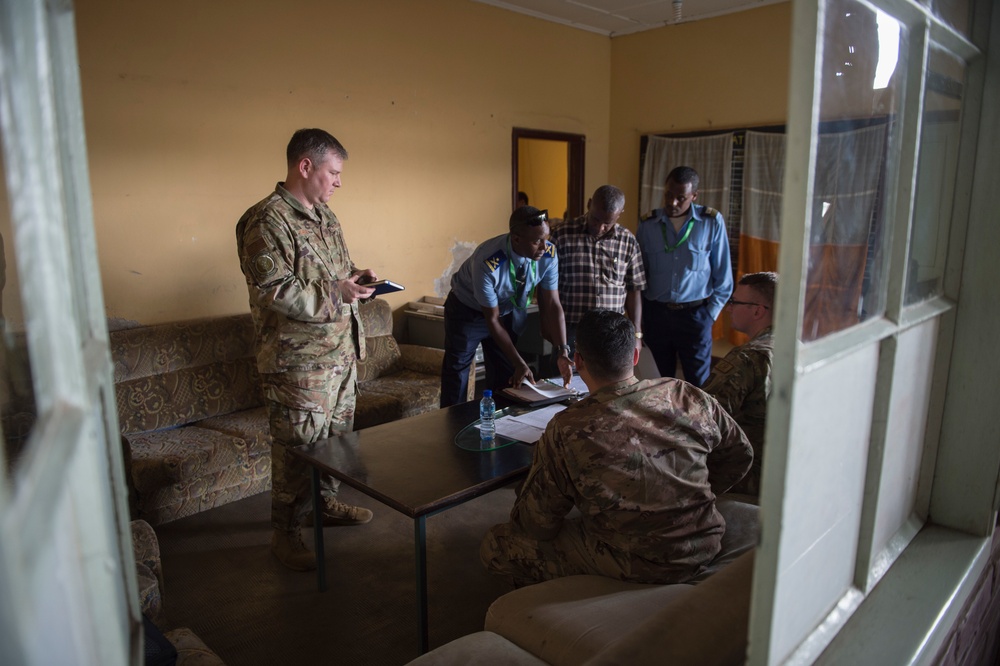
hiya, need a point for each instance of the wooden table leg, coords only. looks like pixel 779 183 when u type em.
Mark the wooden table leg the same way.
pixel 420 544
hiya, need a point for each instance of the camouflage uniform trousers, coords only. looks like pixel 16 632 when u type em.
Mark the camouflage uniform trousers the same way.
pixel 572 552
pixel 304 407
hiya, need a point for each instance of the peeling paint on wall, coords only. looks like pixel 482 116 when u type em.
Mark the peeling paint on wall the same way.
pixel 460 251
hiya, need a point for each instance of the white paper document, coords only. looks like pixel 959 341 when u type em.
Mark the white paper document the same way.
pixel 527 427
pixel 576 383
pixel 547 389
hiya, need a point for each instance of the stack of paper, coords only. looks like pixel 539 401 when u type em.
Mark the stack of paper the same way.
pixel 527 427
pixel 547 390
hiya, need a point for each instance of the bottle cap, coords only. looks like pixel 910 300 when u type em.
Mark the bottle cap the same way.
pixel 487 393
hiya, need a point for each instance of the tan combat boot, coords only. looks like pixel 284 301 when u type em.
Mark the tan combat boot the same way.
pixel 339 514
pixel 290 551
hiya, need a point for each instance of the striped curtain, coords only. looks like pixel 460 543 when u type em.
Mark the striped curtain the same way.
pixel 848 166
pixel 710 156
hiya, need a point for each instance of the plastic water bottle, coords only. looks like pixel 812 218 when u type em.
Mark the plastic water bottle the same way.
pixel 487 411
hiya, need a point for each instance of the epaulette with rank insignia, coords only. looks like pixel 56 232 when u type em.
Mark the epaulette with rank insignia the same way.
pixel 709 212
pixel 648 216
pixel 494 260
pixel 550 250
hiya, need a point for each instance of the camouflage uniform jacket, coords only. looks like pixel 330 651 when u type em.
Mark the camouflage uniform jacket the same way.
pixel 643 462
pixel 741 383
pixel 291 258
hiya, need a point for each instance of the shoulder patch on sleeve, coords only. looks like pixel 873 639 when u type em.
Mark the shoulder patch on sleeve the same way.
pixel 263 266
pixel 494 260
pixel 724 367
pixel 550 250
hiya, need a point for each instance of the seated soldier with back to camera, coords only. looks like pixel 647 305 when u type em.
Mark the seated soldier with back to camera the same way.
pixel 642 461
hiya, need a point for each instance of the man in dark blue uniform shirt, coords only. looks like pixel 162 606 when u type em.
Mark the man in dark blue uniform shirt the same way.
pixel 488 303
pixel 689 278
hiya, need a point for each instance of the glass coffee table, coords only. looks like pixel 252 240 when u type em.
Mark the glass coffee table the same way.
pixel 417 467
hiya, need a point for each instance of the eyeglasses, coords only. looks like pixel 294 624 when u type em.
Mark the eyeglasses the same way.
pixel 733 301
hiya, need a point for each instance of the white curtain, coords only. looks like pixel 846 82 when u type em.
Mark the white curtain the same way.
pixel 710 156
pixel 763 177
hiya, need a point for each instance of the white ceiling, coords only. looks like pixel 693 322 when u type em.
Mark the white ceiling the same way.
pixel 622 17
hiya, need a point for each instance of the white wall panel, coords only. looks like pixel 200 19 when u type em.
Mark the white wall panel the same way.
pixel 828 452
pixel 907 421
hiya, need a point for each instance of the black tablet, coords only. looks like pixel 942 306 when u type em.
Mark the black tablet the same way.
pixel 384 287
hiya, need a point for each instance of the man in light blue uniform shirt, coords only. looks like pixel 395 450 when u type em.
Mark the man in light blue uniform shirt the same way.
pixel 488 303
pixel 689 278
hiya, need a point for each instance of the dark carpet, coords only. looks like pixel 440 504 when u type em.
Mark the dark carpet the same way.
pixel 221 581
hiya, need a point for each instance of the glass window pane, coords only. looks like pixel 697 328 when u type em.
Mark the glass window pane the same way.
pixel 955 13
pixel 17 397
pixel 936 169
pixel 860 93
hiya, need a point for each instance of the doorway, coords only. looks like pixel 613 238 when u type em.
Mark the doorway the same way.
pixel 548 167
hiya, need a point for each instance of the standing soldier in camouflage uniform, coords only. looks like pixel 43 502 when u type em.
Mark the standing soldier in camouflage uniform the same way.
pixel 741 382
pixel 641 460
pixel 304 293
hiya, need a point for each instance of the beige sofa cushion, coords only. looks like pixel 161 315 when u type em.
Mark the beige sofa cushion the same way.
pixel 483 647
pixel 706 625
pixel 567 620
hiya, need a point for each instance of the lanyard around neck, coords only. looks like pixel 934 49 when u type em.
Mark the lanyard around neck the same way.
pixel 532 268
pixel 667 247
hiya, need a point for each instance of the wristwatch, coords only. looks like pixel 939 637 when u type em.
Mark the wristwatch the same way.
pixel 556 349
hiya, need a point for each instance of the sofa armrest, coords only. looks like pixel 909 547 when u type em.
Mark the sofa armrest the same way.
pixel 149 570
pixel 564 621
pixel 191 650
pixel 417 358
pixel 680 632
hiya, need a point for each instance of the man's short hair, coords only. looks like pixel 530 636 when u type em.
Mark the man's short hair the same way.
pixel 314 144
pixel 522 199
pixel 527 216
pixel 762 284
pixel 606 341
pixel 683 175
pixel 609 199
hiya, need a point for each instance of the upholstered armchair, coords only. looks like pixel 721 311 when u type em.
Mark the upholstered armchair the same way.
pixel 191 651
pixel 395 380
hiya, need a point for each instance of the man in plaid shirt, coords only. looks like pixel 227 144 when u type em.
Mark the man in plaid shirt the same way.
pixel 600 266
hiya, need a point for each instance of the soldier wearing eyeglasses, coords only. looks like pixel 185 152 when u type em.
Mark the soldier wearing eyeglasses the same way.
pixel 741 381
pixel 488 302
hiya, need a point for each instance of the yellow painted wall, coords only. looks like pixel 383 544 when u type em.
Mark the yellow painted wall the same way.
pixel 543 174
pixel 188 107
pixel 726 72
pixel 189 104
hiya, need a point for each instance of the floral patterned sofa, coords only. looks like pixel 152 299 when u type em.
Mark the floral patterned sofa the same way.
pixel 192 414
